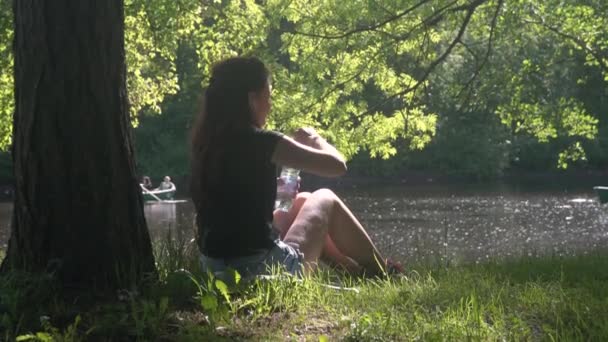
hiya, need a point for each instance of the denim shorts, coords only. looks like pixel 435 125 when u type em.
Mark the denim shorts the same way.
pixel 283 255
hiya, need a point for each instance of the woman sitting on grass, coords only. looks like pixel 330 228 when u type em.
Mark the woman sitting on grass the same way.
pixel 234 162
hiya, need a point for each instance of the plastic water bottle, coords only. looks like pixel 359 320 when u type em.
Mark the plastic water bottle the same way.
pixel 287 188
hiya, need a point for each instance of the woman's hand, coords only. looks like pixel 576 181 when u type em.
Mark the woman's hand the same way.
pixel 308 136
pixel 309 152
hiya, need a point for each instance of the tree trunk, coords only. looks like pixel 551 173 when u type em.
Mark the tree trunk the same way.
pixel 78 207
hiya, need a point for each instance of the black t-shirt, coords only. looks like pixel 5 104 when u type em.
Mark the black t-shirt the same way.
pixel 237 220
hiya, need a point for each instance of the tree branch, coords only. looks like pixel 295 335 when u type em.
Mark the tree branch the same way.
pixel 427 22
pixel 386 10
pixel 469 7
pixel 488 51
pixel 469 50
pixel 470 11
pixel 338 86
pixel 576 40
pixel 369 27
pixel 431 20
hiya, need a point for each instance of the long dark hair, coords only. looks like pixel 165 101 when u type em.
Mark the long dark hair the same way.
pixel 224 110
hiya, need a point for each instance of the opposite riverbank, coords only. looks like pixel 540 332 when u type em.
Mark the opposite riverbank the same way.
pixel 558 180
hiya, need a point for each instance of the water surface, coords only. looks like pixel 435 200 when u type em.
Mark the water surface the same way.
pixel 447 224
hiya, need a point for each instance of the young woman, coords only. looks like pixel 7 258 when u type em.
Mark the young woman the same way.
pixel 234 162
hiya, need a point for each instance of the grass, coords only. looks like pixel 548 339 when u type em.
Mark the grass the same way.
pixel 549 298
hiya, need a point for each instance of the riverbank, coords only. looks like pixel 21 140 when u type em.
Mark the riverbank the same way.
pixel 524 299
pixel 558 179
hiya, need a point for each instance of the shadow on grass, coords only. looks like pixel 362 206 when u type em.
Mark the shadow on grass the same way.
pixel 530 298
pixel 589 272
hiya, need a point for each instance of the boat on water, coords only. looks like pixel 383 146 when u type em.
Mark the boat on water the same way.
pixel 158 195
pixel 164 194
pixel 602 193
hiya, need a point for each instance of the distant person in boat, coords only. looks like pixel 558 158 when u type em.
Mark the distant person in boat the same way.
pixel 146 182
pixel 234 162
pixel 166 184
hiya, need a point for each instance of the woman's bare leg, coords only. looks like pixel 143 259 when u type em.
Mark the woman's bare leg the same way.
pixel 283 221
pixel 351 239
pixel 335 258
pixel 323 214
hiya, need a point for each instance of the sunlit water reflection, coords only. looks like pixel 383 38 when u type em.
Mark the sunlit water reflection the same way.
pixel 446 225
pixel 465 227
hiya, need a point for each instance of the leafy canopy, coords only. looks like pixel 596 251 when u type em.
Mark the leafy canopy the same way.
pixel 363 72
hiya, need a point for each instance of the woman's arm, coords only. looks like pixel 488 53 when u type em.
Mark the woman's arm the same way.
pixel 309 152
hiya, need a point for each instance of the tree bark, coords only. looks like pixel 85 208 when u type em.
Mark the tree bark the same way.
pixel 78 208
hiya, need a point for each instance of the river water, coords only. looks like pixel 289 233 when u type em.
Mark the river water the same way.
pixel 443 224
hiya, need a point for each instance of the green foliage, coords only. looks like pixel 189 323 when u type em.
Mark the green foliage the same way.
pixel 161 140
pixel 556 38
pixel 532 79
pixel 324 75
pixel 530 298
pixel 473 145
pixel 359 86
pixel 214 296
pixel 231 28
pixel 374 78
pixel 21 298
pixel 7 101
pixel 148 316
pixel 153 30
pixel 173 253
pixel 52 334
pixel 227 297
pixel 574 152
